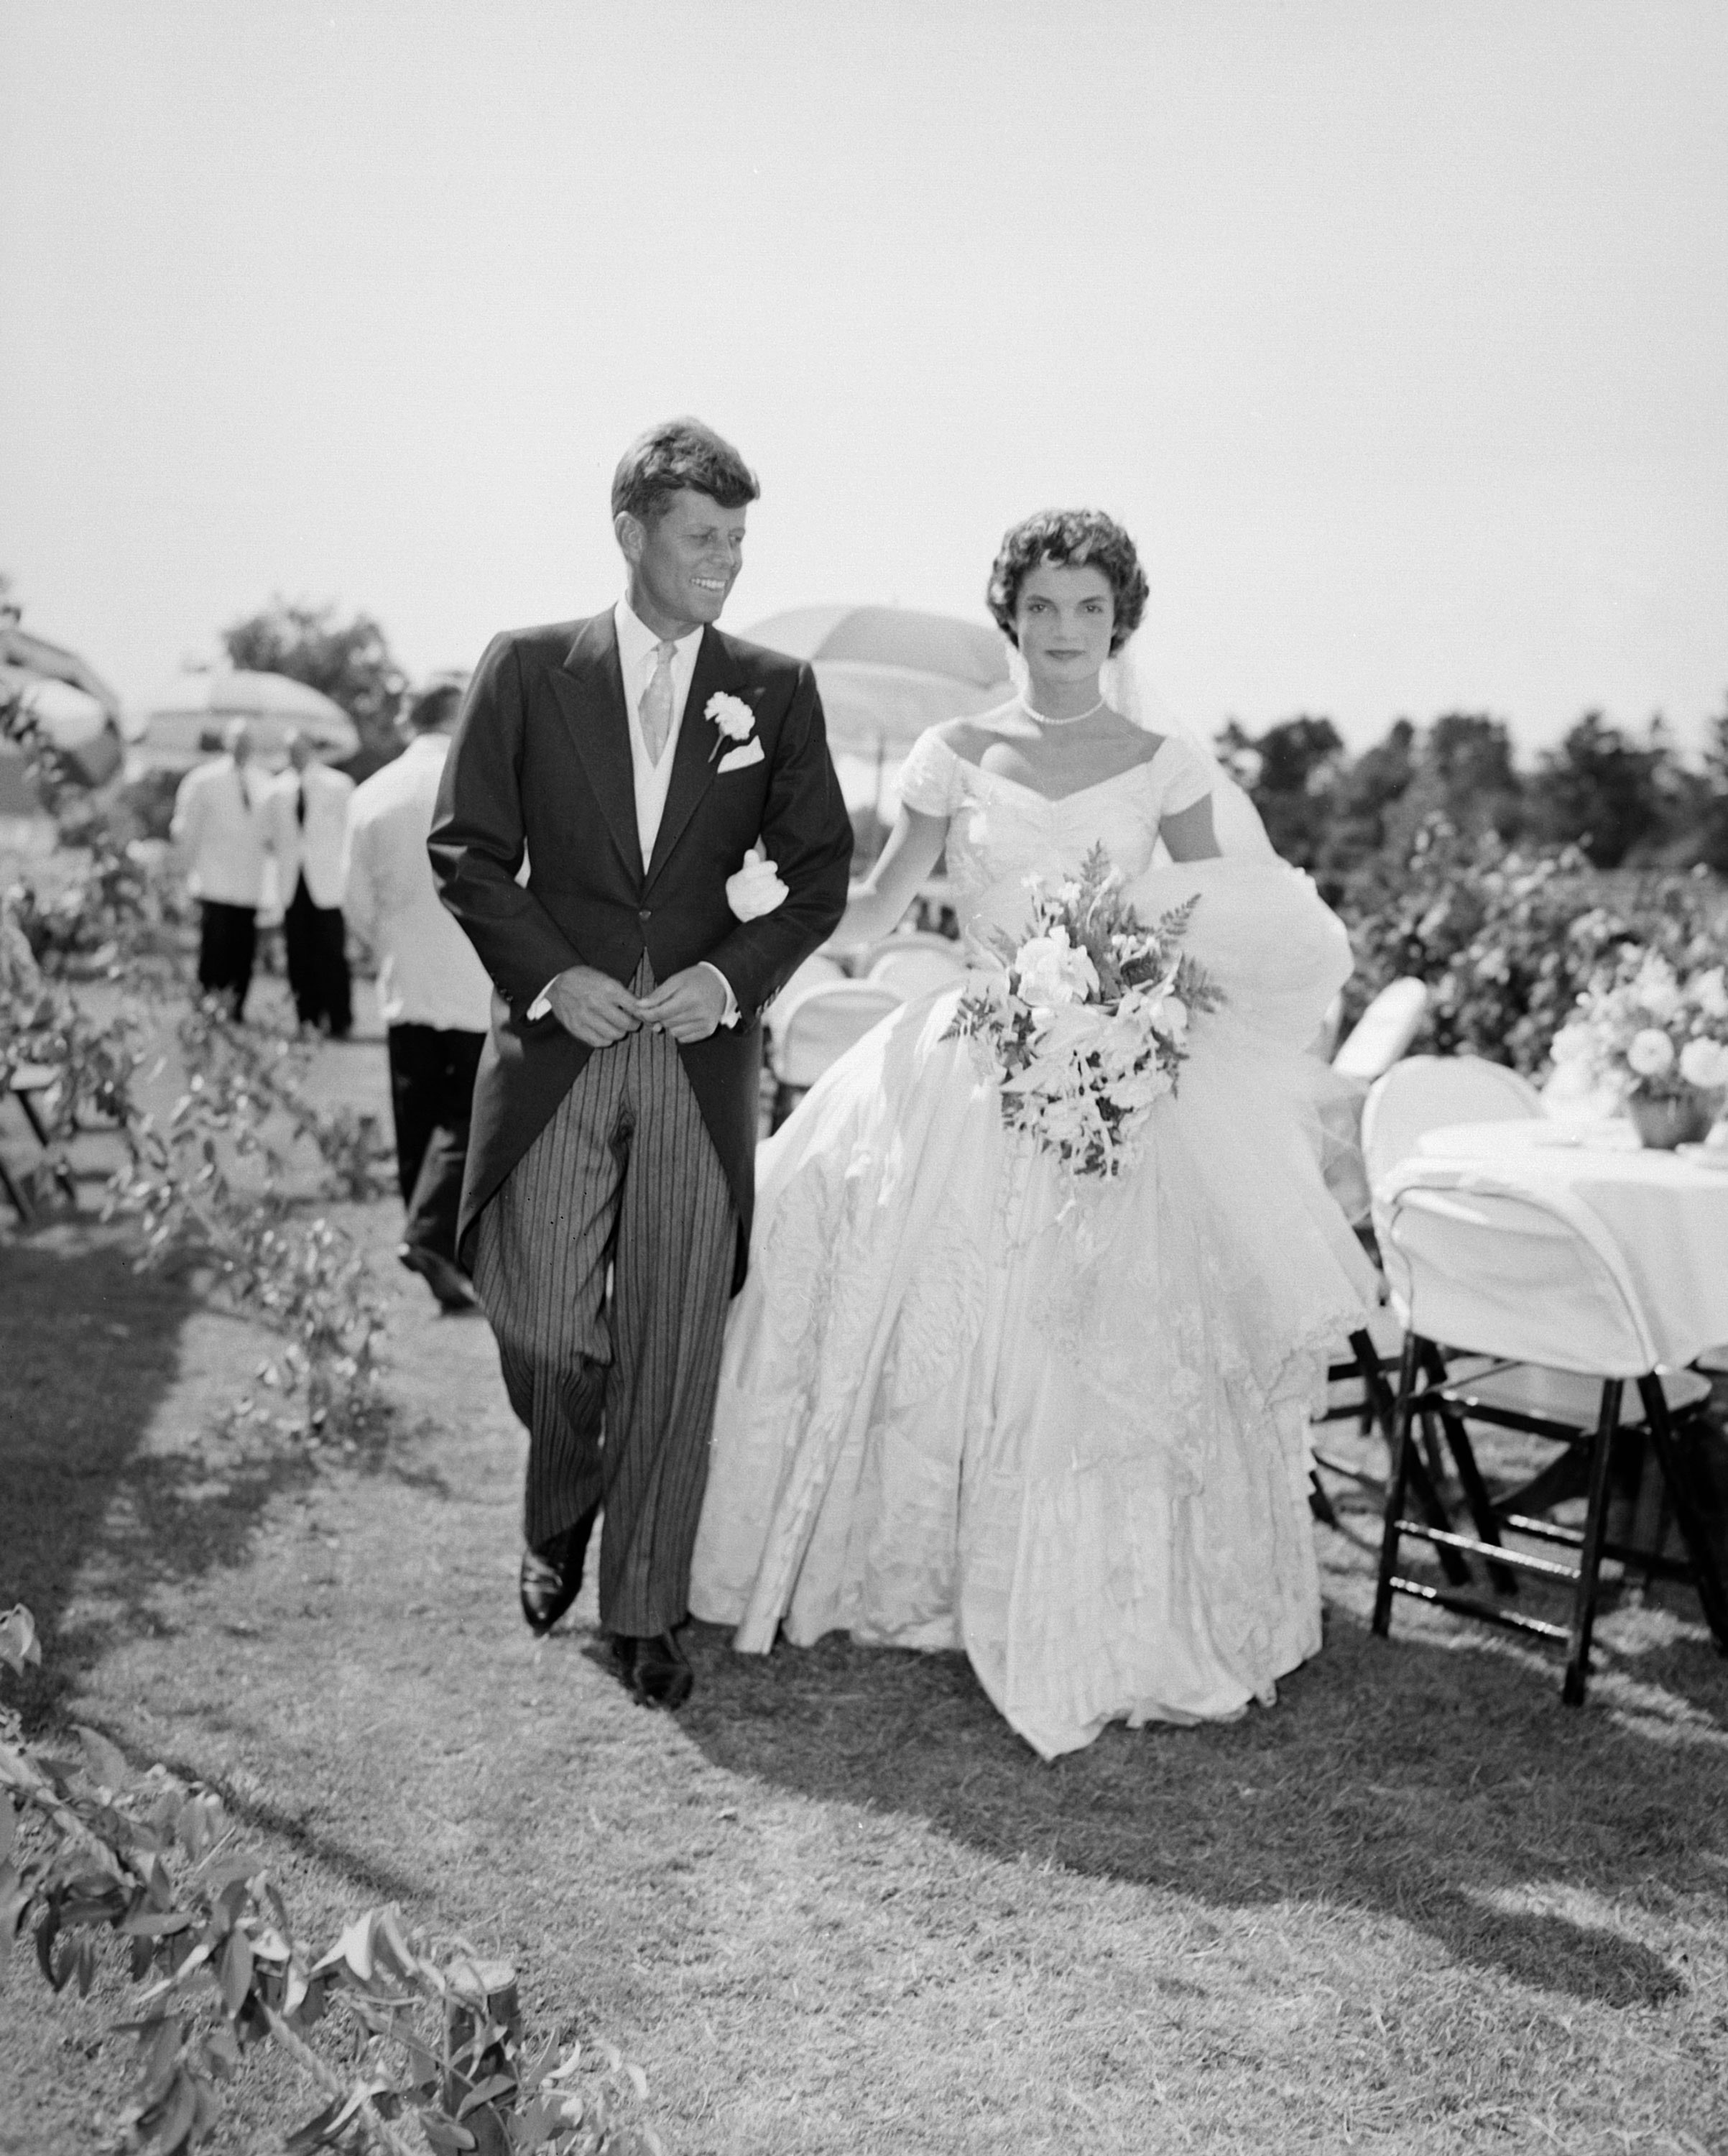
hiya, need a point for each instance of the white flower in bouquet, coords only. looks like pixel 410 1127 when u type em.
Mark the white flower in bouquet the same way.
pixel 1169 1015
pixel 1650 1053
pixel 1656 989
pixel 1572 1043
pixel 1709 991
pixel 1052 971
pixel 1069 1119
pixel 1704 1063
pixel 1137 1091
pixel 1063 1028
pixel 1120 1045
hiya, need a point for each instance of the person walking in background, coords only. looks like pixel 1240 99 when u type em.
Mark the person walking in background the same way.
pixel 311 805
pixel 221 833
pixel 434 993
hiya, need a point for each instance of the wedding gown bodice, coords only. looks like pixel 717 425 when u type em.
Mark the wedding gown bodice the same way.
pixel 1000 832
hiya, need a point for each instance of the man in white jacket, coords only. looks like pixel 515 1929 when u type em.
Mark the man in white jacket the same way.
pixel 434 993
pixel 311 804
pixel 221 832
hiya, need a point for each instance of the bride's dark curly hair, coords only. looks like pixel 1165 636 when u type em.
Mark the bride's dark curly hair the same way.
pixel 1073 539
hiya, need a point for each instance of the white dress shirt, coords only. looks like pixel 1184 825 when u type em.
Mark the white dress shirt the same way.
pixel 638 647
pixel 222 826
pixel 429 972
pixel 638 655
pixel 312 848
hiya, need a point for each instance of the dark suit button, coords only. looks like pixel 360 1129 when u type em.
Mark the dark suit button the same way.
pixel 644 913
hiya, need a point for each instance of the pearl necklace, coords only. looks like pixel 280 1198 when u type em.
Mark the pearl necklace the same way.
pixel 1038 718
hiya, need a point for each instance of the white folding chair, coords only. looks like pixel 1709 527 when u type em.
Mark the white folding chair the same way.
pixel 1531 1280
pixel 905 939
pixel 817 1029
pixel 1418 1094
pixel 1423 1092
pixel 1384 1030
pixel 915 969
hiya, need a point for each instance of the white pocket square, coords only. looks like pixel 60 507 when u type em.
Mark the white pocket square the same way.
pixel 735 759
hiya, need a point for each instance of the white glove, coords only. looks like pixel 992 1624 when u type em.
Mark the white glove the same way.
pixel 755 889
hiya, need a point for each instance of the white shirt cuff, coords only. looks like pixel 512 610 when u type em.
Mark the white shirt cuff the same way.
pixel 542 1006
pixel 728 1016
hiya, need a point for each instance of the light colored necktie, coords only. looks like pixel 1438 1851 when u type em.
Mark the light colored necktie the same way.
pixel 657 703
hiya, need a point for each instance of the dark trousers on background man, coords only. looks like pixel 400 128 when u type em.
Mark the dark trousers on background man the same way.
pixel 227 944
pixel 432 1072
pixel 317 941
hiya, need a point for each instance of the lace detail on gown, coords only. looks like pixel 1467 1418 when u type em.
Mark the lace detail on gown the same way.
pixel 968 1402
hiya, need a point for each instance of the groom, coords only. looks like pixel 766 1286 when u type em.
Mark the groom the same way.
pixel 630 761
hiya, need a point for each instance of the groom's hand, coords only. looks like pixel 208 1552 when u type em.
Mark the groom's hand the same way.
pixel 688 1005
pixel 593 1006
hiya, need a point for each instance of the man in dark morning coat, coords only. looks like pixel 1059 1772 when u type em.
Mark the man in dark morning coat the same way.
pixel 631 760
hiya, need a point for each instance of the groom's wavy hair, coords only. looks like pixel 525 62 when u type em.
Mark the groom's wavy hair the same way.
pixel 678 453
pixel 1072 539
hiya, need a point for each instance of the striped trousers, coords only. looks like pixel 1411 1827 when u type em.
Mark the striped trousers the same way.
pixel 616 1388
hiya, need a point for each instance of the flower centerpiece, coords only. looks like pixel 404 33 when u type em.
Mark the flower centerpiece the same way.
pixel 1658 1040
pixel 1086 1026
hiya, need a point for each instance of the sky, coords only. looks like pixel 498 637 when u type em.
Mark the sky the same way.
pixel 1395 331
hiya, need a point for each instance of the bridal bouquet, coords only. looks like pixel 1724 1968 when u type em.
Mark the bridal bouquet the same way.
pixel 1086 1026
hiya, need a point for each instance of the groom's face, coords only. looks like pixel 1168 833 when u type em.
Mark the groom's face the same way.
pixel 683 565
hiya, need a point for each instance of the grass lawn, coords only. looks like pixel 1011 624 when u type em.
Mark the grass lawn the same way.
pixel 835 1906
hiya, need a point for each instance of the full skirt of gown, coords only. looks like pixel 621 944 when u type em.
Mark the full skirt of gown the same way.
pixel 969 1400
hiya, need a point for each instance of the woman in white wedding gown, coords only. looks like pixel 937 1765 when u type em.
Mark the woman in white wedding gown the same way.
pixel 970 1400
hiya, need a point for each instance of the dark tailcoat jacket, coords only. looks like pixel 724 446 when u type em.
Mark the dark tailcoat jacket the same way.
pixel 540 771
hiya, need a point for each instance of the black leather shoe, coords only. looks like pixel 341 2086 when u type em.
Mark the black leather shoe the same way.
pixel 446 1282
pixel 657 1667
pixel 552 1575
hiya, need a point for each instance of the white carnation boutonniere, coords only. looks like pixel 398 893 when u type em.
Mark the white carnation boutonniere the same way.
pixel 733 719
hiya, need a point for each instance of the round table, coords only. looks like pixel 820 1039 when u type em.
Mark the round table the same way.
pixel 1666 1212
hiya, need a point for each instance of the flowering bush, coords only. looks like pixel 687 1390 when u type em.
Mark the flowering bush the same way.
pixel 1647 1030
pixel 106 924
pixel 1085 1027
pixel 1507 940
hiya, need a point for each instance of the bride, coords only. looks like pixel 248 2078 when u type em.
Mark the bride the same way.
pixel 972 1399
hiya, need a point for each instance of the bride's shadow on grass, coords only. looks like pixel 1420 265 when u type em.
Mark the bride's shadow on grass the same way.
pixel 1443 1786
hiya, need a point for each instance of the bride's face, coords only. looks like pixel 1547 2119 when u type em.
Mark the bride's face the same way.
pixel 1064 618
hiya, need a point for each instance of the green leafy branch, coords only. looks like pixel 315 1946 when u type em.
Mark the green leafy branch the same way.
pixel 89 1847
pixel 305 1279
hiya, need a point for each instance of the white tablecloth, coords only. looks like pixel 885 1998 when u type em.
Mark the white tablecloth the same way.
pixel 1668 1213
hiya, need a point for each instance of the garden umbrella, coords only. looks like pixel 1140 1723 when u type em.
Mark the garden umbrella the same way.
pixel 886 673
pixel 185 723
pixel 77 712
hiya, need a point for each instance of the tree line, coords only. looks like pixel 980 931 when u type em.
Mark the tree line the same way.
pixel 1624 800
